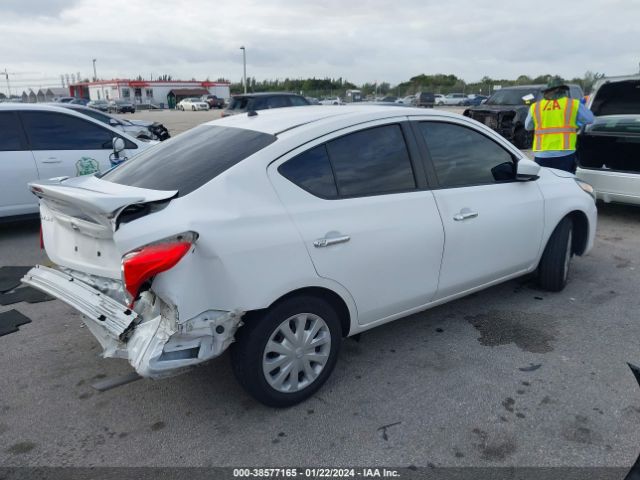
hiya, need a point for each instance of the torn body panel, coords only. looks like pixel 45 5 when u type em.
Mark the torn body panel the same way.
pixel 151 336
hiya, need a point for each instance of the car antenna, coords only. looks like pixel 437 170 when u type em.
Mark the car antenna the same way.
pixel 252 113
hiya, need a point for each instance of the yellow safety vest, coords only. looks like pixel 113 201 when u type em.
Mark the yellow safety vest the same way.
pixel 555 124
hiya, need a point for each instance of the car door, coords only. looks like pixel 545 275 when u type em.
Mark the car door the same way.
pixel 67 145
pixel 493 224
pixel 367 220
pixel 17 168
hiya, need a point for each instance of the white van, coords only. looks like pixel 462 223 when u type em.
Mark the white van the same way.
pixel 42 141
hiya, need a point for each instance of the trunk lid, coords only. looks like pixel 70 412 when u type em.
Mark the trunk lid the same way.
pixel 80 215
pixel 617 97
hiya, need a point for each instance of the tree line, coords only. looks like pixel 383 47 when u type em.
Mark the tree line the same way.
pixel 437 83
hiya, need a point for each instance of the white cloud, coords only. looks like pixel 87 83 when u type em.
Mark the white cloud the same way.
pixel 369 41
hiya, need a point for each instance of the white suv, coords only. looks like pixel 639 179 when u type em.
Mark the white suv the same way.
pixel 287 229
pixel 41 141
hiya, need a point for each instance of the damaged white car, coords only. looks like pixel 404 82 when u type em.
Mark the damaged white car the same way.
pixel 283 231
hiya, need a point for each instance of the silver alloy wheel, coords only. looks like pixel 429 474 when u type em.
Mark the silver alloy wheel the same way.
pixel 567 257
pixel 296 352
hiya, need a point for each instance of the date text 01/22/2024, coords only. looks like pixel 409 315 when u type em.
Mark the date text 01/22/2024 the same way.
pixel 315 473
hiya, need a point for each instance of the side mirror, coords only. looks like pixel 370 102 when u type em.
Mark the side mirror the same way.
pixel 113 122
pixel 528 170
pixel 118 145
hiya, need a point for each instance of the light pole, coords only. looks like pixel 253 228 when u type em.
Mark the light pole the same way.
pixel 244 64
pixel 95 75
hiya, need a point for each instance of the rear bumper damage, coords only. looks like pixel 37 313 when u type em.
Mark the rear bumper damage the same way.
pixel 151 336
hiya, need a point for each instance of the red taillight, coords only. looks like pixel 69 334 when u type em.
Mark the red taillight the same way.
pixel 140 265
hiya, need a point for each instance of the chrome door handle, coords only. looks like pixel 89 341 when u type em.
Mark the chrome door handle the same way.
pixel 464 215
pixel 325 242
pixel 52 160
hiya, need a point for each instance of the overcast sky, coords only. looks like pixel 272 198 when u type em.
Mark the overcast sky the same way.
pixel 360 41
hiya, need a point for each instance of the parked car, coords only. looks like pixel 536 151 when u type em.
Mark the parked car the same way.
pixel 280 233
pixel 121 106
pixel 64 99
pixel 425 99
pixel 79 101
pixel 213 101
pixel 42 141
pixel 408 100
pixel 453 99
pixel 101 105
pixel 332 101
pixel 388 98
pixel 475 100
pixel 312 100
pixel 608 150
pixel 439 99
pixel 262 101
pixel 505 111
pixel 192 104
pixel 142 129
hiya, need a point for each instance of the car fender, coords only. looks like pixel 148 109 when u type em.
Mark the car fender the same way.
pixel 562 196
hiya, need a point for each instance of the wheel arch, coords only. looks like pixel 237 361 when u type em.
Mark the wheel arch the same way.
pixel 580 231
pixel 331 297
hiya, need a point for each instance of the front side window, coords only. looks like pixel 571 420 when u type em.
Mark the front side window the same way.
pixel 57 131
pixel 462 156
pixel 10 134
pixel 299 101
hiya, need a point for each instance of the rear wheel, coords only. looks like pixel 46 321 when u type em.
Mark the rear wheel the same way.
pixel 553 271
pixel 284 355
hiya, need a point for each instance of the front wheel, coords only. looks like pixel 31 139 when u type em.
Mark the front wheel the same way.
pixel 283 356
pixel 553 271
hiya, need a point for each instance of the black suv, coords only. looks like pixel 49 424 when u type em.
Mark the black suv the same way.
pixel 506 111
pixel 425 99
pixel 262 101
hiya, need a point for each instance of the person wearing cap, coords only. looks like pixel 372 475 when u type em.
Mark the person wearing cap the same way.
pixel 555 119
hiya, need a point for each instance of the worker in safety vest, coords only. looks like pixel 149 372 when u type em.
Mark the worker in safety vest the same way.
pixel 555 119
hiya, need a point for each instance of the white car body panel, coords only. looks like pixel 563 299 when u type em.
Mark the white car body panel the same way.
pixel 17 168
pixel 612 186
pixel 257 231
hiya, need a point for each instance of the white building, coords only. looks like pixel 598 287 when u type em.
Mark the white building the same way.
pixel 158 92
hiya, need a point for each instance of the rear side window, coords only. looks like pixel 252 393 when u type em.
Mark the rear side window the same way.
pixel 278 101
pixel 463 157
pixel 10 132
pixel 311 170
pixel 371 161
pixel 189 160
pixel 57 131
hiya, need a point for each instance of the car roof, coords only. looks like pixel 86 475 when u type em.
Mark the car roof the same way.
pixel 278 120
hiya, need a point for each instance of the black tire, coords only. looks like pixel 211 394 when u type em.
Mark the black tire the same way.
pixel 522 139
pixel 553 270
pixel 248 350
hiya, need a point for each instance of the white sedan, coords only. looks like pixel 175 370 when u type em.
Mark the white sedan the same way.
pixel 282 232
pixel 192 104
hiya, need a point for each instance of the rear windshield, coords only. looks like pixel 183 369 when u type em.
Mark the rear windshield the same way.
pixel 189 160
pixel 511 96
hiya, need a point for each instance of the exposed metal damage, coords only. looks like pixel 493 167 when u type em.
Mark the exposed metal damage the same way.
pixel 151 335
